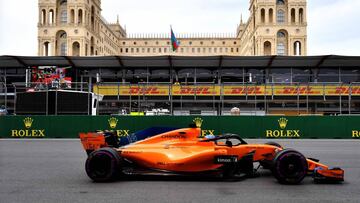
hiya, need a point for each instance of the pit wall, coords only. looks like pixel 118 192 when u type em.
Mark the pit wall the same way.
pixel 316 127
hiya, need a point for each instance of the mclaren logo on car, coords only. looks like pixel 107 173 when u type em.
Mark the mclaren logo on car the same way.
pixel 28 131
pixel 283 132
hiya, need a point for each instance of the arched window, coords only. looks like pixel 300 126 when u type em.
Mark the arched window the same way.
pixel 262 15
pixel 301 15
pixel 92 17
pixel 76 49
pixel 46 48
pixel 267 48
pixel 293 15
pixel 61 43
pixel 282 42
pixel 280 16
pixel 43 17
pixel 297 48
pixel 280 2
pixel 80 16
pixel 63 11
pixel 92 44
pixel 271 15
pixel 281 34
pixel 51 17
pixel 72 16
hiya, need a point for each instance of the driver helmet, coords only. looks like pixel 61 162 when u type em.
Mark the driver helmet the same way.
pixel 210 136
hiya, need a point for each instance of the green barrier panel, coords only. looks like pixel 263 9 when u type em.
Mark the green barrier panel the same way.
pixel 246 126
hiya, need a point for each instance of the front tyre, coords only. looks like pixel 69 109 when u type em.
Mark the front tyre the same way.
pixel 103 165
pixel 289 167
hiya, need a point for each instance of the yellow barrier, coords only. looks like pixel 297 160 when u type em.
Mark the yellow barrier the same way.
pixel 228 90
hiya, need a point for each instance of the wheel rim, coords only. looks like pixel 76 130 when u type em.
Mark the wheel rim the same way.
pixel 291 166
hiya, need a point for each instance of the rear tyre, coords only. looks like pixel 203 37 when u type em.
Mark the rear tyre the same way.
pixel 103 165
pixel 289 167
pixel 267 164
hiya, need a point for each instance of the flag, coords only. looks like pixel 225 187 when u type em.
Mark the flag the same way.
pixel 174 42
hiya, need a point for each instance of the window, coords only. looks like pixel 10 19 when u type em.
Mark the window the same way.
pixel 46 49
pixel 267 48
pixel 63 17
pixel 280 75
pixel 280 2
pixel 281 49
pixel 297 48
pixel 329 75
pixel 271 15
pixel 350 75
pixel 63 49
pixel 43 17
pixel 281 16
pixel 281 34
pixel 262 15
pixel 301 15
pixel 293 15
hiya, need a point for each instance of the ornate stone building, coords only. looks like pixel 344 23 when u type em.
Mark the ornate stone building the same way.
pixel 76 28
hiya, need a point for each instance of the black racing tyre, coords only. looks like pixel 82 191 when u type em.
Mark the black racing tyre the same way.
pixel 103 165
pixel 267 164
pixel 289 166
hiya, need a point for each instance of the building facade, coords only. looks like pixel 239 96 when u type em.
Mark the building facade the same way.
pixel 76 28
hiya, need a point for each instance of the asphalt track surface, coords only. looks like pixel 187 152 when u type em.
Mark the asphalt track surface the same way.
pixel 53 171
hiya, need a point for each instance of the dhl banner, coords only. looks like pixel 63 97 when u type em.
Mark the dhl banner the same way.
pixel 227 90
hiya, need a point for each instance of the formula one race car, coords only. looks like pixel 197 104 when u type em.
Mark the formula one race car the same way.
pixel 183 152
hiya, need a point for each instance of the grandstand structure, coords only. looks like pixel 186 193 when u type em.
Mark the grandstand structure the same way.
pixel 211 85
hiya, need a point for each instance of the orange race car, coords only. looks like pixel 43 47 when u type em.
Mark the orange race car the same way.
pixel 184 152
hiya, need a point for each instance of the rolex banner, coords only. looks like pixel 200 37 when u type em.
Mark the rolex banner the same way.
pixel 266 127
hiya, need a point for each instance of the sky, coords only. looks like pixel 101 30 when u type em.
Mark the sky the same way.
pixel 333 25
